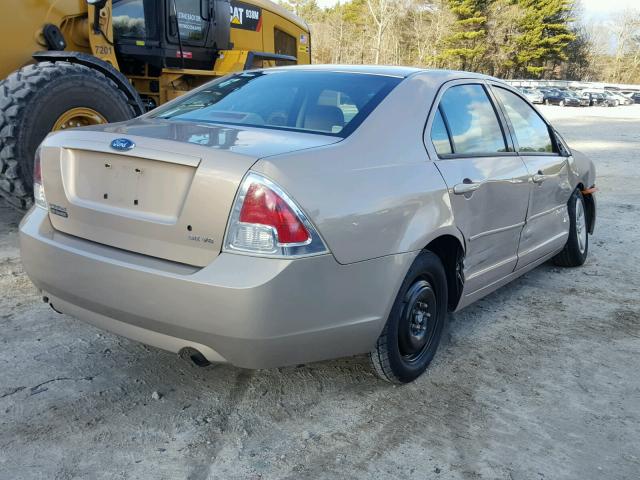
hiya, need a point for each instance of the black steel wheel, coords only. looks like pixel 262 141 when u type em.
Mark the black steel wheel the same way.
pixel 413 330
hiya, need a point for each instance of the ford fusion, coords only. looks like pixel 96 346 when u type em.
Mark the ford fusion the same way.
pixel 290 215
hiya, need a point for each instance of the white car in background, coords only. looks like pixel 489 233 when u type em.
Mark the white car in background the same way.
pixel 533 95
pixel 622 99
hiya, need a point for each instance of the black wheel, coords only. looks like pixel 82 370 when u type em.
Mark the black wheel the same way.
pixel 576 249
pixel 412 333
pixel 547 102
pixel 561 103
pixel 43 97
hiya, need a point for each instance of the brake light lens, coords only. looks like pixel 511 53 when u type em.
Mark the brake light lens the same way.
pixel 266 221
pixel 38 189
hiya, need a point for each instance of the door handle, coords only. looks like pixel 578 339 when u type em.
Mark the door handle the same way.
pixel 467 186
pixel 539 177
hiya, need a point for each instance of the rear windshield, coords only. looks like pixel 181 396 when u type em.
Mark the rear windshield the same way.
pixel 330 103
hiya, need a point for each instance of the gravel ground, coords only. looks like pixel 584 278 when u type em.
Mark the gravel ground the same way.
pixel 537 381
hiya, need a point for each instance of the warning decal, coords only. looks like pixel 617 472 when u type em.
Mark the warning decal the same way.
pixel 245 16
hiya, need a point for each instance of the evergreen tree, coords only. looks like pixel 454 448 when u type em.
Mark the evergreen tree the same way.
pixel 466 45
pixel 545 34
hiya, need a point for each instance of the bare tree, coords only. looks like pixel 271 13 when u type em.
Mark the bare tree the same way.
pixel 383 13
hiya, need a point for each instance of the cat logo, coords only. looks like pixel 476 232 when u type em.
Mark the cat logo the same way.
pixel 245 16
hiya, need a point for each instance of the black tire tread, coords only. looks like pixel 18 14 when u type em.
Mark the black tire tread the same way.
pixel 380 356
pixel 17 91
pixel 570 255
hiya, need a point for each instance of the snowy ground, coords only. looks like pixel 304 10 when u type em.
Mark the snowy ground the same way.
pixel 537 381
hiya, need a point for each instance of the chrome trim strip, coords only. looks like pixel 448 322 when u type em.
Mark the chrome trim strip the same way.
pixel 546 212
pixel 561 236
pixel 495 230
pixel 492 267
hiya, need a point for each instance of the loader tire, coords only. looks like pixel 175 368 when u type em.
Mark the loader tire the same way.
pixel 38 97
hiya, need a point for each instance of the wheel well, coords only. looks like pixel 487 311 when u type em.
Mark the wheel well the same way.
pixel 100 65
pixel 451 254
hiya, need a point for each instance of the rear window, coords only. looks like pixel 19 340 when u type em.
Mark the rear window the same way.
pixel 330 103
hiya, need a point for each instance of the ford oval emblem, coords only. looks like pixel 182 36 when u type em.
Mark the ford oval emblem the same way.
pixel 122 144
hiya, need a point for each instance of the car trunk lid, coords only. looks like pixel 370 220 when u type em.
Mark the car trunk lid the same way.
pixel 164 198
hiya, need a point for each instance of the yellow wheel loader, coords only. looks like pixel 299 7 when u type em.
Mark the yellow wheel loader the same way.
pixel 72 63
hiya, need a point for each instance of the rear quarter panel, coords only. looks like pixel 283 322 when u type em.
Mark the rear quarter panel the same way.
pixel 375 193
pixel 581 170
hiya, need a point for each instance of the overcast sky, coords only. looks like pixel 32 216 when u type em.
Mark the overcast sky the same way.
pixel 592 8
pixel 595 8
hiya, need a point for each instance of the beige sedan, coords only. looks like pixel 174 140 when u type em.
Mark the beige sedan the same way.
pixel 290 215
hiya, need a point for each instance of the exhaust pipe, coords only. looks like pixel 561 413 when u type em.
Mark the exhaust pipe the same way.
pixel 194 356
pixel 45 299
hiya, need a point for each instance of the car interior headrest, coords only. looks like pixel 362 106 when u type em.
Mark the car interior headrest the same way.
pixel 324 118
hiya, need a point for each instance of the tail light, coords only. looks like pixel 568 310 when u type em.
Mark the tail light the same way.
pixel 38 189
pixel 266 221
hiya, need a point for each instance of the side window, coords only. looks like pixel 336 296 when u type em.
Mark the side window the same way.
pixel 531 131
pixel 128 20
pixel 472 121
pixel 440 136
pixel 191 25
pixel 284 44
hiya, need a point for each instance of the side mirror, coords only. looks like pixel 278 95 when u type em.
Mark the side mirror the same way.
pixel 97 5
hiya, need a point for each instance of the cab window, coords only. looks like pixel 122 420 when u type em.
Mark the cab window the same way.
pixel 284 44
pixel 472 121
pixel 192 28
pixel 129 20
pixel 531 132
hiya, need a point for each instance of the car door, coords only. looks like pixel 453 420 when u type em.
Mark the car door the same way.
pixel 486 180
pixel 547 223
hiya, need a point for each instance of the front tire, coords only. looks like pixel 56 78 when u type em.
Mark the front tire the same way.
pixel 413 330
pixel 43 97
pixel 575 251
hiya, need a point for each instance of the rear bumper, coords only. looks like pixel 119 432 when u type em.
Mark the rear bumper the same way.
pixel 251 312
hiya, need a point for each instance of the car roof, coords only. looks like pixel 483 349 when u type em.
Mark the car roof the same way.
pixel 389 70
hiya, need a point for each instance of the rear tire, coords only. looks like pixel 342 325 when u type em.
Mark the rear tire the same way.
pixel 32 100
pixel 413 330
pixel 575 251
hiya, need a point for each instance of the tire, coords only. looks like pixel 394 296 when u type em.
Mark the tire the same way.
pixel 561 103
pixel 547 102
pixel 413 330
pixel 32 99
pixel 576 249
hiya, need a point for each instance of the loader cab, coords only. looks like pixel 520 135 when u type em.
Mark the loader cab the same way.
pixel 154 34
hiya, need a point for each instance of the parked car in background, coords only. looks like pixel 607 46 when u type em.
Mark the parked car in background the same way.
pixel 612 98
pixel 622 99
pixel 635 96
pixel 597 99
pixel 533 95
pixel 583 100
pixel 262 220
pixel 553 96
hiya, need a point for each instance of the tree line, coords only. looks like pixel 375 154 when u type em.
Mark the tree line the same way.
pixel 504 38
